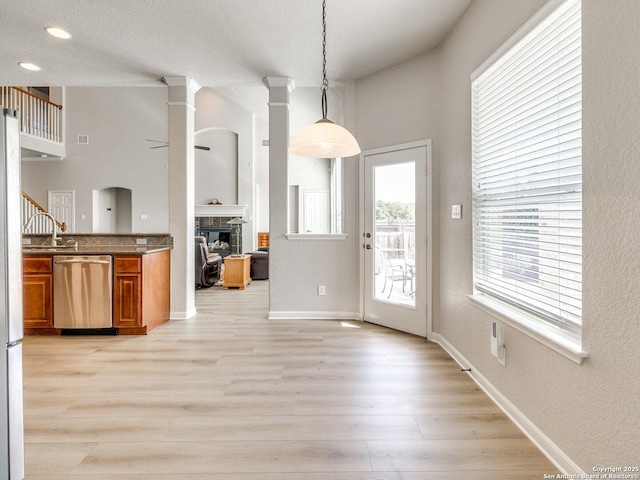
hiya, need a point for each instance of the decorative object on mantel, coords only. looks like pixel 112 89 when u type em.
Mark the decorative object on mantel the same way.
pixel 324 139
pixel 235 223
pixel 214 201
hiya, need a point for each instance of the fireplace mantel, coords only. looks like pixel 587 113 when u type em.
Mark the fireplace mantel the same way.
pixel 220 210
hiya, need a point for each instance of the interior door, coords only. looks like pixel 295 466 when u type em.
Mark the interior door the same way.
pixel 62 205
pixel 316 211
pixel 396 223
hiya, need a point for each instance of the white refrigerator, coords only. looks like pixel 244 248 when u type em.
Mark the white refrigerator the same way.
pixel 11 330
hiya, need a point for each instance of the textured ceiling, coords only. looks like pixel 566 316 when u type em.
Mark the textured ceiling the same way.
pixel 219 43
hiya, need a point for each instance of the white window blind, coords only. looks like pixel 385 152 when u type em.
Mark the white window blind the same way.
pixel 527 172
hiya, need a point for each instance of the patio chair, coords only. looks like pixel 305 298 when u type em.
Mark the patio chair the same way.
pixel 394 273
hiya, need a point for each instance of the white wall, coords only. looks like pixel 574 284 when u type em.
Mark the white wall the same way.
pixel 216 170
pixel 213 110
pixel 300 266
pixel 589 411
pixel 117 121
pixel 261 173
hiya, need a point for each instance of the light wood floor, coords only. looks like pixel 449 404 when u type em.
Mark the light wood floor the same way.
pixel 231 395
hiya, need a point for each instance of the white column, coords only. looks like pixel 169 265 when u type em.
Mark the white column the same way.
pixel 182 92
pixel 279 90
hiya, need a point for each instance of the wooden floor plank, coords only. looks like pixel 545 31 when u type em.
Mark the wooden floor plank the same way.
pixel 229 394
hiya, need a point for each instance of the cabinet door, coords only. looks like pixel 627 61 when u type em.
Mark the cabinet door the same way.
pixel 127 302
pixel 36 299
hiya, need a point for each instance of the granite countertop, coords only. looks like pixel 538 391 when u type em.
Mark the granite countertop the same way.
pixel 96 250
pixel 97 244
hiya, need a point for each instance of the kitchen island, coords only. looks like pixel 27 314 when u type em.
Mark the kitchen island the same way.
pixel 141 279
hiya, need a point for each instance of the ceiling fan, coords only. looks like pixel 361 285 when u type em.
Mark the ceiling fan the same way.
pixel 166 144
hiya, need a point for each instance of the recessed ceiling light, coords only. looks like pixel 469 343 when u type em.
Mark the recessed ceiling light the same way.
pixel 58 32
pixel 29 66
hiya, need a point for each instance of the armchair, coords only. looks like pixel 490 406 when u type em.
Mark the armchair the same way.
pixel 207 265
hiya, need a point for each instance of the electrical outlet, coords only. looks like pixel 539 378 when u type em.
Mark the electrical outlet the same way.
pixel 498 342
pixel 456 211
pixel 141 241
pixel 321 290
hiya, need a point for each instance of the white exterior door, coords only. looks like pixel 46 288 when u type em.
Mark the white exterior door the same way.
pixel 396 260
pixel 62 205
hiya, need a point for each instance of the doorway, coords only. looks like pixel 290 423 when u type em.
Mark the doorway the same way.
pixel 396 258
pixel 112 210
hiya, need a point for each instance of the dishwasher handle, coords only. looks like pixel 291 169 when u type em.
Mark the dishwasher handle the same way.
pixel 101 262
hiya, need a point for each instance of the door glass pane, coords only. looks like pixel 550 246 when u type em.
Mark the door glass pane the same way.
pixel 394 234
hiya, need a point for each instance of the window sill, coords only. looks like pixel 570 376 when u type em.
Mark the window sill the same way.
pixel 316 236
pixel 563 342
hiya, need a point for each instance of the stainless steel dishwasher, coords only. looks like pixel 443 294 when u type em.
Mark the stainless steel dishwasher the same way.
pixel 82 286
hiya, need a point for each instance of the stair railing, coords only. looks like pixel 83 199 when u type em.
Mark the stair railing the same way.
pixel 38 117
pixel 40 224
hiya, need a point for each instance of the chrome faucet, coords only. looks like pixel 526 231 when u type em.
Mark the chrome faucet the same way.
pixel 54 236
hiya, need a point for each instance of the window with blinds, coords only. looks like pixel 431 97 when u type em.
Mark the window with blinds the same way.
pixel 527 171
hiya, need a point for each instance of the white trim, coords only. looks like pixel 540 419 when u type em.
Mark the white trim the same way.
pixel 542 331
pixel 182 104
pixel 560 459
pixel 188 82
pixel 312 315
pixel 42 145
pixel 316 236
pixel 183 315
pixel 219 210
pixel 533 22
pixel 280 82
pixel 396 148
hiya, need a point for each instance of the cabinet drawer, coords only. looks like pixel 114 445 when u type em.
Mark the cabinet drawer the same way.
pixel 128 264
pixel 37 265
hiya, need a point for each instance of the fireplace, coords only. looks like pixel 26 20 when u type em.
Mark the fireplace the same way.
pixel 214 227
pixel 219 239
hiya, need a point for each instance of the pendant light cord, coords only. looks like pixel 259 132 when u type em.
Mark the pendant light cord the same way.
pixel 325 82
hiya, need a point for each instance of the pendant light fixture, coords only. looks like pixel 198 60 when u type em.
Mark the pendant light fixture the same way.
pixel 324 139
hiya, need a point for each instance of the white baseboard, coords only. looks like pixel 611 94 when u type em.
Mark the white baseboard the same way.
pixel 183 315
pixel 539 439
pixel 313 315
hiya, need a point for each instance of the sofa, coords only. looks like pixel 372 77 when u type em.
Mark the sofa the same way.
pixel 259 269
pixel 207 265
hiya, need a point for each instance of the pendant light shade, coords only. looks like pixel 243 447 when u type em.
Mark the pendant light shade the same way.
pixel 324 139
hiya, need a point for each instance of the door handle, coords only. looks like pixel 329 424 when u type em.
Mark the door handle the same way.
pixel 367 246
pixel 92 262
pixel 368 235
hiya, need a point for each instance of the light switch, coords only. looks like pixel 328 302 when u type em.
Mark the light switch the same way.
pixel 456 211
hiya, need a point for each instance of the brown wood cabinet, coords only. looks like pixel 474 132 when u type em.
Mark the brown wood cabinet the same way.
pixel 237 271
pixel 141 292
pixel 263 239
pixel 37 295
